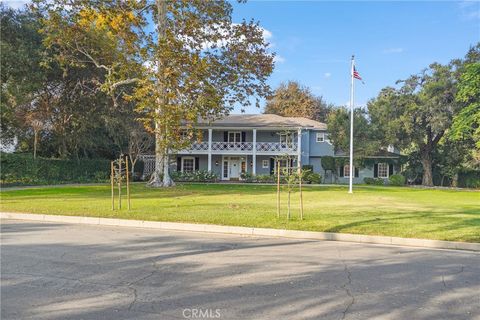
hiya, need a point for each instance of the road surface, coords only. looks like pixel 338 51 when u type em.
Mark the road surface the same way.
pixel 66 271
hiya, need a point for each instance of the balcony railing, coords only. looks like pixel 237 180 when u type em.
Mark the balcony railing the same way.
pixel 244 146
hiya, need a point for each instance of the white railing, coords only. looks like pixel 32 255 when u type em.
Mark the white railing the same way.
pixel 276 147
pixel 232 146
pixel 199 146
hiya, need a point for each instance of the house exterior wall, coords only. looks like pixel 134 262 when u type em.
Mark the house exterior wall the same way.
pixel 311 153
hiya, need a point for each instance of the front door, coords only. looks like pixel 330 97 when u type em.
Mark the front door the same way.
pixel 234 168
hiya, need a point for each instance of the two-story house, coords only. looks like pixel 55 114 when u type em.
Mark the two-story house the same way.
pixel 251 143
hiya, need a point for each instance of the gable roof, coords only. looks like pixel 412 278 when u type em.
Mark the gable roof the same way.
pixel 263 120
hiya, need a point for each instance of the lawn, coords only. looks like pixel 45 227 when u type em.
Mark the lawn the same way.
pixel 391 211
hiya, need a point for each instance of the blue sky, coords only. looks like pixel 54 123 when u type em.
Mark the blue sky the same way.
pixel 390 40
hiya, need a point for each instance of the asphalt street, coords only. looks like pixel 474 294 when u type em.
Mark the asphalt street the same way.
pixel 66 271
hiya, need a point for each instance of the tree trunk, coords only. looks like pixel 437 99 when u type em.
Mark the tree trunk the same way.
pixel 160 156
pixel 167 180
pixel 156 178
pixel 427 179
pixel 455 180
pixel 35 138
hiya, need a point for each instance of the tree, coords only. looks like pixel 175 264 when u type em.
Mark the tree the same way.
pixel 365 143
pixel 466 124
pixel 195 62
pixel 293 100
pixel 139 142
pixel 418 114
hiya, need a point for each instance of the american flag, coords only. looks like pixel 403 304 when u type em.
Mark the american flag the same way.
pixel 356 75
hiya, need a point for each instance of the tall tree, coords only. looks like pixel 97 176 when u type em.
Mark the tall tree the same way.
pixel 293 100
pixel 419 113
pixel 195 62
pixel 365 143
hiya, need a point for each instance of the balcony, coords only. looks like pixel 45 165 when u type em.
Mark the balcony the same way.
pixel 242 148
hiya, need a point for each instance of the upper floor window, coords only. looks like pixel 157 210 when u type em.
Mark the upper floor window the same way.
pixel 235 136
pixel 320 137
pixel 383 170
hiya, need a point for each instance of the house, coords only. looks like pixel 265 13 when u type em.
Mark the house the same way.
pixel 250 143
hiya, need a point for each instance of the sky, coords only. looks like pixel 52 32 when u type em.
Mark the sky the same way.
pixel 391 40
pixel 314 41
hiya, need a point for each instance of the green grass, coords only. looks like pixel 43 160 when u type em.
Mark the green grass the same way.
pixel 390 211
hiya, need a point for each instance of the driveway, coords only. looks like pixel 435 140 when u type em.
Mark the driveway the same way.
pixel 66 271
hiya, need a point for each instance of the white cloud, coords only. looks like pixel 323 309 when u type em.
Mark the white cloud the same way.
pixel 469 10
pixel 278 59
pixel 393 50
pixel 15 4
pixel 327 75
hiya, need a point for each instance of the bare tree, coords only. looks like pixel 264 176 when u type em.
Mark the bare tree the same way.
pixel 139 143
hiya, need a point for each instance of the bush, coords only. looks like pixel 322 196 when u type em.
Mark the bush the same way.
pixel 469 179
pixel 374 181
pixel 195 176
pixel 396 180
pixel 312 177
pixel 22 169
pixel 246 176
pixel 265 178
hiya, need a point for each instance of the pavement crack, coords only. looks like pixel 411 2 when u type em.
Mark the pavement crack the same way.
pixel 130 306
pixel 347 287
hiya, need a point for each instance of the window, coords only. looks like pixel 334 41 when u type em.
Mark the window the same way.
pixel 225 168
pixel 286 140
pixel 234 136
pixel 243 167
pixel 382 170
pixel 265 164
pixel 188 164
pixel 320 137
pixel 346 171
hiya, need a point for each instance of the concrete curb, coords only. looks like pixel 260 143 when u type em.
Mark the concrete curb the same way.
pixel 247 231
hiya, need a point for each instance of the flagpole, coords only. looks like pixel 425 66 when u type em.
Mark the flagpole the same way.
pixel 352 88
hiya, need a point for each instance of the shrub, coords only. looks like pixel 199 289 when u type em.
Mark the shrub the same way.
pixel 265 178
pixel 469 179
pixel 396 180
pixel 22 169
pixel 195 176
pixel 374 181
pixel 312 177
pixel 246 177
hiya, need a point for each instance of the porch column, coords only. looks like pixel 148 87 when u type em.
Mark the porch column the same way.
pixel 254 153
pixel 209 149
pixel 299 147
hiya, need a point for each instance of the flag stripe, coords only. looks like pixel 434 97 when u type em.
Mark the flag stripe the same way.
pixel 356 75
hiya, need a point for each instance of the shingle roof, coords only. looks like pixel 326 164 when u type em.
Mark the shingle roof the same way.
pixel 264 120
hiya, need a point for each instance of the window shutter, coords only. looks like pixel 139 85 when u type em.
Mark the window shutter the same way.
pixel 179 164
pixel 197 163
pixel 244 136
pixel 390 169
pixel 375 170
pixel 356 172
pixel 341 171
pixel 272 165
pixel 225 136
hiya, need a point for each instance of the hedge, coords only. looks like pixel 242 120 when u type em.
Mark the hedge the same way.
pixel 22 169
